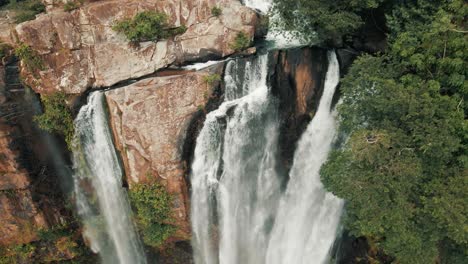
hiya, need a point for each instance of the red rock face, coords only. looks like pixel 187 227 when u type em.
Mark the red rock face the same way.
pixel 81 50
pixel 150 121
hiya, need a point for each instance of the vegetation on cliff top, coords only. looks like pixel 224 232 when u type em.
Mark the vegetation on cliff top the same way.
pixel 152 206
pixel 57 116
pixel 403 163
pixel 147 26
pixel 24 10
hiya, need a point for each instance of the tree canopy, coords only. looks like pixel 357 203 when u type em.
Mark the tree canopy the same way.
pixel 402 167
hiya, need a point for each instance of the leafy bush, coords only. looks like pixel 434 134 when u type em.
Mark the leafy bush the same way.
pixel 26 10
pixel 216 11
pixel 57 116
pixel 152 204
pixel 147 26
pixel 29 57
pixel 241 42
pixel 212 78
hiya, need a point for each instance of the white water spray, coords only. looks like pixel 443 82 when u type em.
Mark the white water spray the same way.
pixel 101 200
pixel 308 216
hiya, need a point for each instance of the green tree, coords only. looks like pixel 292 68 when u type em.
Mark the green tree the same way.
pixel 403 166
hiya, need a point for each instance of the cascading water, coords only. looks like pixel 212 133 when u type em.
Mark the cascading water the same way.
pixel 102 202
pixel 235 187
pixel 237 214
pixel 308 216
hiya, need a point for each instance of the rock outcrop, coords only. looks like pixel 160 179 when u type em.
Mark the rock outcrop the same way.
pixel 297 79
pixel 80 50
pixel 150 120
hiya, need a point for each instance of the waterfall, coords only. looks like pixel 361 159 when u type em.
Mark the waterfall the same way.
pixel 308 216
pixel 235 187
pixel 102 202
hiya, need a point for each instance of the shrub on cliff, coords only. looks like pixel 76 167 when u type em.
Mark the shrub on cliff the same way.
pixel 241 42
pixel 57 116
pixel 152 206
pixel 212 78
pixel 147 26
pixel 216 11
pixel 29 57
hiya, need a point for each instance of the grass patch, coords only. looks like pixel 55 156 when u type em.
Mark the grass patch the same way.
pixel 216 11
pixel 57 117
pixel 30 58
pixel 147 26
pixel 152 204
pixel 241 42
pixel 25 10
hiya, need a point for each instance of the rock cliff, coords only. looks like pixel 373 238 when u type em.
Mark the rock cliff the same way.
pixel 80 50
pixel 151 120
pixel 24 169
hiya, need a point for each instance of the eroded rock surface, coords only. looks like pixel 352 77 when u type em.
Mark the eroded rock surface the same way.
pixel 297 80
pixel 80 49
pixel 150 120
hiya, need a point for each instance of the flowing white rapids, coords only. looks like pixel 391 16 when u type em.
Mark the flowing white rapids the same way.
pixel 308 216
pixel 102 202
pixel 235 187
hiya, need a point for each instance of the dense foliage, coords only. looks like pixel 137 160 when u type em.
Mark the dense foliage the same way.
pixel 24 9
pixel 328 19
pixel 148 26
pixel 403 166
pixel 57 116
pixel 152 206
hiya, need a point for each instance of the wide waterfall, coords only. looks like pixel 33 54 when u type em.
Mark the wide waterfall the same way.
pixel 239 212
pixel 235 187
pixel 102 202
pixel 308 216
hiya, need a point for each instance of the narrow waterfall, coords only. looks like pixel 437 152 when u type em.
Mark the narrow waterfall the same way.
pixel 102 202
pixel 235 187
pixel 308 216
